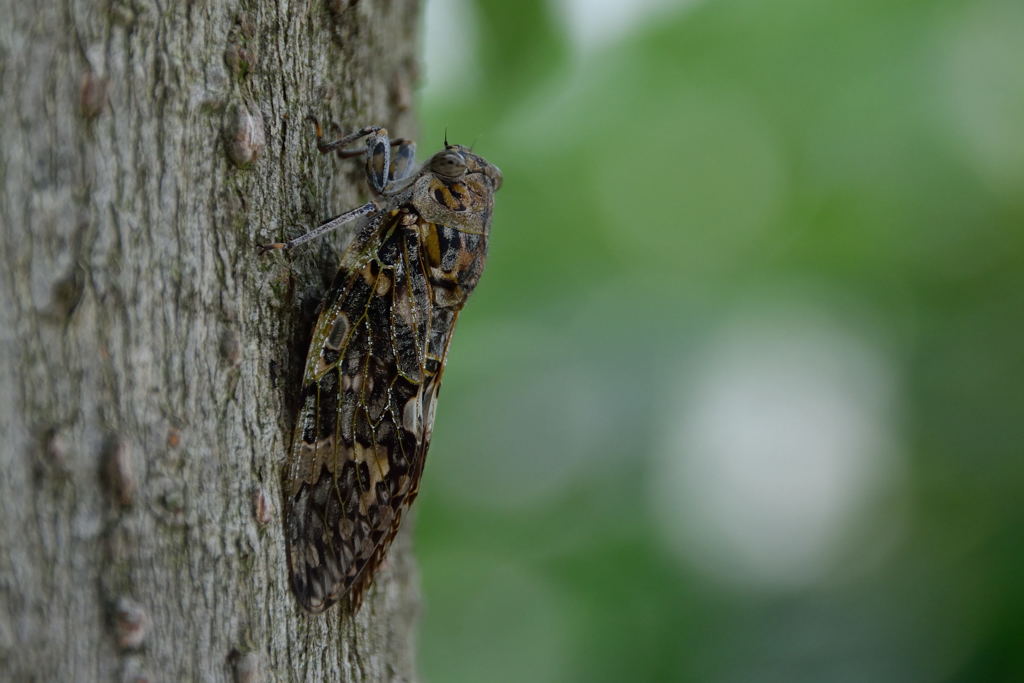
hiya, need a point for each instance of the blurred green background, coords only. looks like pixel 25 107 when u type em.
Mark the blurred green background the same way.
pixel 741 395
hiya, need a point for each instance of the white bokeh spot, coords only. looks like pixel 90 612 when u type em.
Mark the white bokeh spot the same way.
pixel 782 435
pixel 449 46
pixel 592 24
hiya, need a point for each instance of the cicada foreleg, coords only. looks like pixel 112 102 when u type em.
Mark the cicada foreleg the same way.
pixel 387 173
pixel 385 169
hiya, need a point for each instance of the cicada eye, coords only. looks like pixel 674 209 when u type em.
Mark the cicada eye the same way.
pixel 448 164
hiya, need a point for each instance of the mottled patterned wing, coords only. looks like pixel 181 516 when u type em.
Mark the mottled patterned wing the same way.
pixel 369 388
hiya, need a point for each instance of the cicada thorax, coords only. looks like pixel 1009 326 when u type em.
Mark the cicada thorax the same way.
pixel 454 229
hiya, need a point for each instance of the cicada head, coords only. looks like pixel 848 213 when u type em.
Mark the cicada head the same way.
pixel 457 189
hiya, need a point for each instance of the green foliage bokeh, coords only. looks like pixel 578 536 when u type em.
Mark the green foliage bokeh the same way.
pixel 864 159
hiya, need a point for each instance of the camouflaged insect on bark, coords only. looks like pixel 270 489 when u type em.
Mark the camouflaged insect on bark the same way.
pixel 376 360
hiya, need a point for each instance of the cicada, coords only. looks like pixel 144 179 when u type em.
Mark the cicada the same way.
pixel 378 352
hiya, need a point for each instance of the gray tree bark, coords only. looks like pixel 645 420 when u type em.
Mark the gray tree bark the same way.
pixel 149 355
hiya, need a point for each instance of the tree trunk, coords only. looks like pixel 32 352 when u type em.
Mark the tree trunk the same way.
pixel 149 355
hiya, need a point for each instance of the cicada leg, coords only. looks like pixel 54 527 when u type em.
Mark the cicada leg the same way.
pixel 384 168
pixel 336 222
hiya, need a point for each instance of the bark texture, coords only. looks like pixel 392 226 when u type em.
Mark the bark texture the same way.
pixel 149 354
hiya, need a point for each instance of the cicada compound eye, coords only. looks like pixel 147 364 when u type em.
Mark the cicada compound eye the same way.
pixel 449 164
